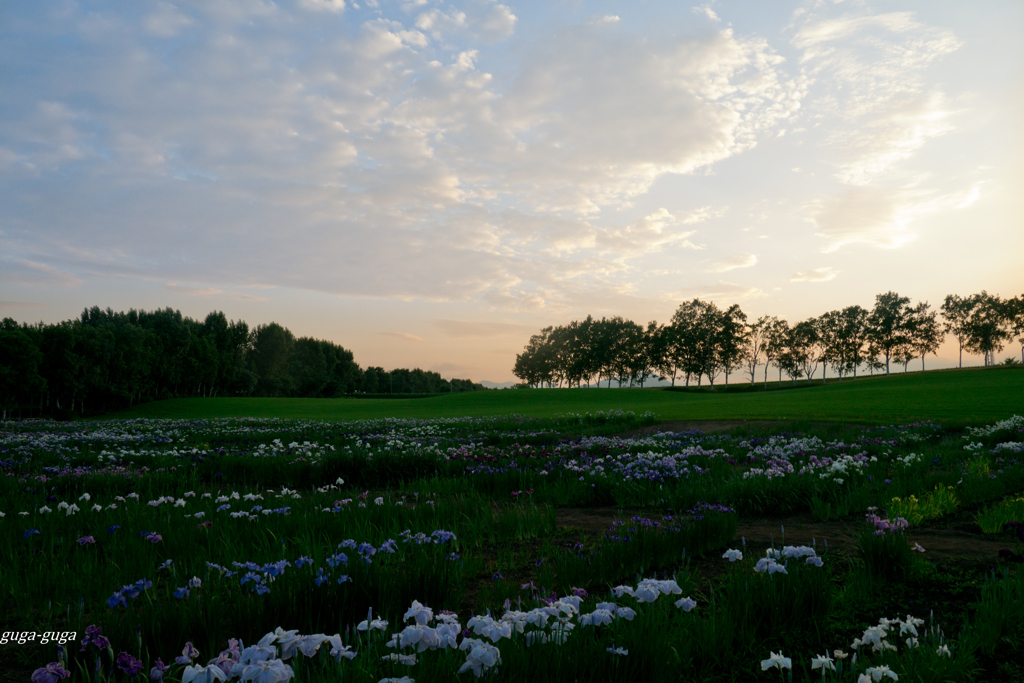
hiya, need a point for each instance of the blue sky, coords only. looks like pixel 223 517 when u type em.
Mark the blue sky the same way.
pixel 428 182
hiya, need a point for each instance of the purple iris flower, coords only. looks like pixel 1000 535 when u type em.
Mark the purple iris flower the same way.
pixel 128 664
pixel 188 653
pixel 92 635
pixel 158 670
pixel 86 540
pixel 51 673
pixel 30 532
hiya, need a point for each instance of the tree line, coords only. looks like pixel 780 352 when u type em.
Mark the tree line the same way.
pixel 705 341
pixel 106 361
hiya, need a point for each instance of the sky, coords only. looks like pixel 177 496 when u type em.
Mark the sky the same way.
pixel 429 183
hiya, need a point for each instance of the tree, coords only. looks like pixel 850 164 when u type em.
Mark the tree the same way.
pixel 706 338
pixel 731 339
pixel 667 353
pixel 806 346
pixel 625 351
pixel 756 339
pixel 683 348
pixel 308 367
pixel 20 361
pixel 987 327
pixel 536 365
pixel 231 340
pixel 888 325
pixel 63 365
pixel 271 359
pixel 776 339
pixel 956 311
pixel 793 356
pixel 647 356
pixel 831 328
pixel 1015 315
pixel 925 331
pixel 855 339
pixel 602 347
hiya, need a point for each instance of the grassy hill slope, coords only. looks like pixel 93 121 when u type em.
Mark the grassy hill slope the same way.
pixel 948 396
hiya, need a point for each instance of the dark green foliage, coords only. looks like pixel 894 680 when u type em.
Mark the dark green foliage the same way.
pixel 109 361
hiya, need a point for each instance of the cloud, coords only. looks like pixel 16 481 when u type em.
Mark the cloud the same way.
pixel 650 233
pixel 731 263
pixel 498 23
pixel 337 6
pixel 881 218
pixel 465 329
pixel 723 292
pixel 814 275
pixel 870 69
pixel 706 11
pixel 405 336
pixel 595 117
pixel 211 293
pixel 166 21
pixel 23 271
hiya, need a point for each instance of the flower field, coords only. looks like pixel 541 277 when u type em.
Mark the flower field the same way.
pixel 428 550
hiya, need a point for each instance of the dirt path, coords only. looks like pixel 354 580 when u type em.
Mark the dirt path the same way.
pixel 944 540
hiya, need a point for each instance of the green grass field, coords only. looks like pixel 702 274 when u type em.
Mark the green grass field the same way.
pixel 948 396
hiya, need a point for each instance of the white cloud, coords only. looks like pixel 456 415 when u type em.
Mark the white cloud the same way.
pixel 23 271
pixel 892 136
pixel 593 119
pixel 870 70
pixel 439 23
pixel 211 293
pixel 881 218
pixel 721 292
pixel 706 11
pixel 166 21
pixel 323 5
pixel 498 23
pixel 814 275
pixel 733 262
pixel 389 162
pixel 650 233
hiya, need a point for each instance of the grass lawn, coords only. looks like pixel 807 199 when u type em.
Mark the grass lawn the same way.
pixel 949 396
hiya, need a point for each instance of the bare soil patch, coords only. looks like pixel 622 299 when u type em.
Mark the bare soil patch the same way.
pixel 958 539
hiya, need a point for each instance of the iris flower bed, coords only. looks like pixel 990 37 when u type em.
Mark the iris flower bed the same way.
pixel 424 550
